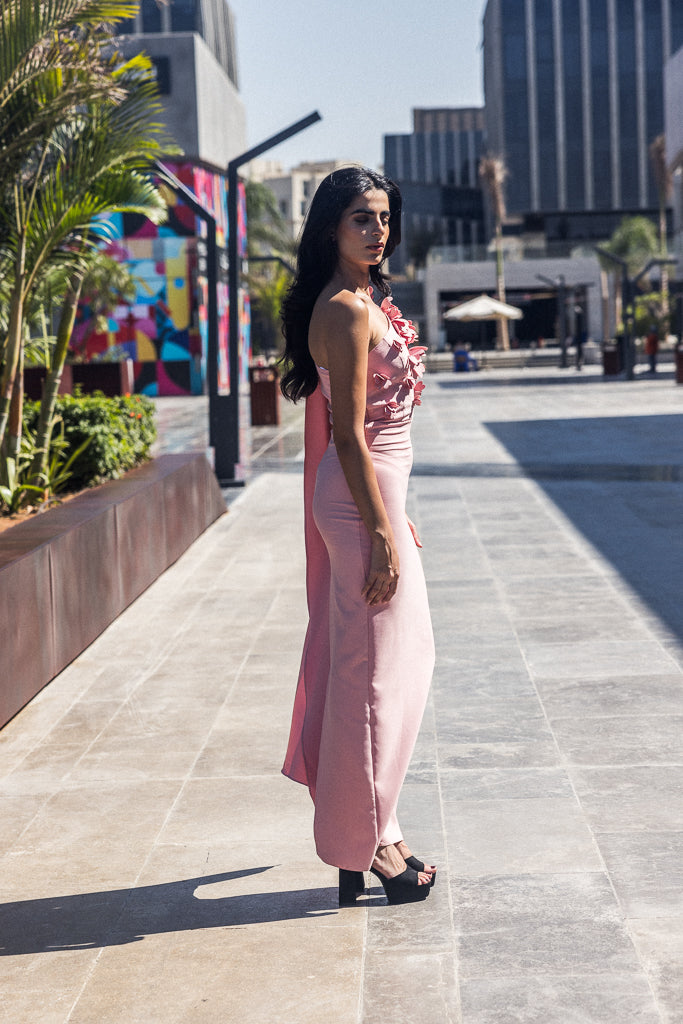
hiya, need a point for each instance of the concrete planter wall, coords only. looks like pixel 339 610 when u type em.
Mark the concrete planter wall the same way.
pixel 65 575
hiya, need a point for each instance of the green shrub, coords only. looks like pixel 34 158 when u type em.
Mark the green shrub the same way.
pixel 121 432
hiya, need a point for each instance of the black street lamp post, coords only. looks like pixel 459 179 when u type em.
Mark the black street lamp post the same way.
pixel 224 409
pixel 561 286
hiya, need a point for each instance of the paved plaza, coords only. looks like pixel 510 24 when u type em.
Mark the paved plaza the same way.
pixel 155 866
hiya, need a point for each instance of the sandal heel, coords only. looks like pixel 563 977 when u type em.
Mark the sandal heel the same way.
pixel 351 885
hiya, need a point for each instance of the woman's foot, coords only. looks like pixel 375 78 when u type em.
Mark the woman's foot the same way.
pixel 391 863
pixel 413 862
pixel 401 883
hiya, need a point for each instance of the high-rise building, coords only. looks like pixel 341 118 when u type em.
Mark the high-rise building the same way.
pixel 574 97
pixel 436 168
pixel 192 44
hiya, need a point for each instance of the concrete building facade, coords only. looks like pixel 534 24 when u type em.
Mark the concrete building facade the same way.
pixel 192 45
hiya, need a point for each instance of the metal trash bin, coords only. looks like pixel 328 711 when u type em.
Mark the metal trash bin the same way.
pixel 611 363
pixel 264 389
pixel 678 358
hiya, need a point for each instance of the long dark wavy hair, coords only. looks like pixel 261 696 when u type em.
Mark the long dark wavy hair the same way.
pixel 317 262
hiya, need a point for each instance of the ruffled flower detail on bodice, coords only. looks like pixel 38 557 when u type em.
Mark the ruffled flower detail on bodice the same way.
pixel 403 342
pixel 395 374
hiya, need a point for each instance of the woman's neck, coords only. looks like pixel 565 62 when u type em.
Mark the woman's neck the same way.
pixel 353 277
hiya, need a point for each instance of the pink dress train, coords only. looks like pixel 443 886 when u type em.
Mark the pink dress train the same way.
pixel 365 672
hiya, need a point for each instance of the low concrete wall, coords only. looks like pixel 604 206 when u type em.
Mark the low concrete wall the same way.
pixel 66 575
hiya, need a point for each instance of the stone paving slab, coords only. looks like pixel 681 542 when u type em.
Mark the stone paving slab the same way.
pixel 154 864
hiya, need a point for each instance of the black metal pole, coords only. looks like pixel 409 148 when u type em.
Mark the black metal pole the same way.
pixel 190 199
pixel 212 315
pixel 227 446
pixel 627 316
pixel 562 320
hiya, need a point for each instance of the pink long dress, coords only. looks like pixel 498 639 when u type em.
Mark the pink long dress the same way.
pixel 365 672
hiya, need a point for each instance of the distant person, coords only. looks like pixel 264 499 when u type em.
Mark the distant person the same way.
pixel 369 651
pixel 652 348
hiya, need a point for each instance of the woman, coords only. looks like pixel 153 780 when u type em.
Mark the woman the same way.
pixel 369 652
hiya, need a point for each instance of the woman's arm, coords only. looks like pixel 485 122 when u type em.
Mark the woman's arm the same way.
pixel 345 321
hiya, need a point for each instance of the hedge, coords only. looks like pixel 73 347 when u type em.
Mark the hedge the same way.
pixel 121 432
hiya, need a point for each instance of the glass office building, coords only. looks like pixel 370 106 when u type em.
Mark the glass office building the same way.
pixel 574 97
pixel 436 167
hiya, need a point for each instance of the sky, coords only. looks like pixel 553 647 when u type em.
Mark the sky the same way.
pixel 363 66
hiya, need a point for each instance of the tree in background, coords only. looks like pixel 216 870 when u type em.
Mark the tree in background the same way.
pixel 664 182
pixel 493 172
pixel 635 242
pixel 270 253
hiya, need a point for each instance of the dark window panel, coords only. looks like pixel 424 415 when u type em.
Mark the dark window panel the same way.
pixel 151 16
pixel 573 105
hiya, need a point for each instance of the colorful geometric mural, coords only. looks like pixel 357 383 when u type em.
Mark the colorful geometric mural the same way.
pixel 165 329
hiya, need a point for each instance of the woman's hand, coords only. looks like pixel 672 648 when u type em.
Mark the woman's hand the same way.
pixel 382 579
pixel 413 530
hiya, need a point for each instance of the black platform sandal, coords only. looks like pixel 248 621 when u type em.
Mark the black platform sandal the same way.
pixel 403 888
pixel 417 865
pixel 351 886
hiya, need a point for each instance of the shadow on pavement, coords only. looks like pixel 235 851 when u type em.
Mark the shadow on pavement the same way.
pixel 605 481
pixel 117 917
pixel 518 380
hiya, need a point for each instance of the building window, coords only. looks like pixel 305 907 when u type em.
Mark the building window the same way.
pixel 151 16
pixel 304 204
pixel 628 105
pixel 284 207
pixel 162 73
pixel 306 185
pixel 573 105
pixel 516 142
pixel 183 16
pixel 547 122
pixel 602 148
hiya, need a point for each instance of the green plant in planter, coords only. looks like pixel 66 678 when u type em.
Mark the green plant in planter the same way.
pixel 119 433
pixel 14 491
pixel 61 458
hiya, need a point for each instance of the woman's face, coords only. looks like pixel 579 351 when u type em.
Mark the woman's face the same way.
pixel 363 231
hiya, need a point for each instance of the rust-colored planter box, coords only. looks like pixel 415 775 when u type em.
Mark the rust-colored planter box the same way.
pixel 111 379
pixel 65 575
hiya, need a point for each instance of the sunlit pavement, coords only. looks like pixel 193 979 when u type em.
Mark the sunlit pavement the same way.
pixel 155 865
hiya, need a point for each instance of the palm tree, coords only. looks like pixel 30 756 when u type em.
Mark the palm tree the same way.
pixel 90 159
pixel 493 172
pixel 53 59
pixel 101 170
pixel 270 252
pixel 664 182
pixel 51 62
pixel 634 243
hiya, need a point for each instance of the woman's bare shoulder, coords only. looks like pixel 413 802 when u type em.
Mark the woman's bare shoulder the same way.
pixel 341 309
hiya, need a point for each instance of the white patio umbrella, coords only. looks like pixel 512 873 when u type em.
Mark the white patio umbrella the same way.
pixel 484 307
